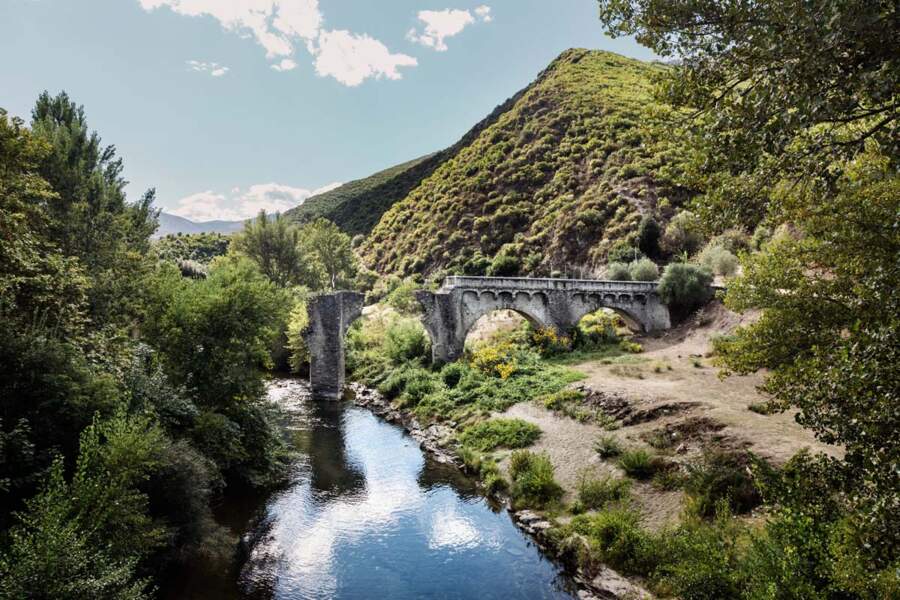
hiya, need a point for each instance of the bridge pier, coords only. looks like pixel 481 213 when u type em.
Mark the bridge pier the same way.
pixel 330 315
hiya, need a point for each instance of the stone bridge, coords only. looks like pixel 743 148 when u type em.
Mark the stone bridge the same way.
pixel 452 311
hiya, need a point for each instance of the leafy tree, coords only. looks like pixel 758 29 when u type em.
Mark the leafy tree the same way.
pixel 791 115
pixel 273 243
pixel 90 217
pixel 332 251
pixel 685 287
pixel 775 88
pixel 649 234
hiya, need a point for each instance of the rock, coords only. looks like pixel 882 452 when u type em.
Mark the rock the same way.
pixel 608 584
pixel 527 517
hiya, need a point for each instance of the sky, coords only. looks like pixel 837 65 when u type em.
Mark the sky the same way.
pixel 227 107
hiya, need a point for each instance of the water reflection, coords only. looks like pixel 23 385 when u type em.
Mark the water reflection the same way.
pixel 370 516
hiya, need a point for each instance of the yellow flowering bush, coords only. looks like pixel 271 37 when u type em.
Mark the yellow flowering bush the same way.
pixel 496 359
pixel 548 341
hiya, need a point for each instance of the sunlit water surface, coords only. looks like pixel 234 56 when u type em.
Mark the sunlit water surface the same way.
pixel 369 516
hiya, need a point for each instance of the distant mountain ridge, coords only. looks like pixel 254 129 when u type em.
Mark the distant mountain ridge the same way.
pixel 170 224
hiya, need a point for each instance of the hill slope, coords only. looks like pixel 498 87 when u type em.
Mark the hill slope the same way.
pixel 357 206
pixel 558 173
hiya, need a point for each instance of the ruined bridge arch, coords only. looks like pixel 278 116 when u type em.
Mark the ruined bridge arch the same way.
pixel 452 311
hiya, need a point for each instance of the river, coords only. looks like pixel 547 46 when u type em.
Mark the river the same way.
pixel 368 515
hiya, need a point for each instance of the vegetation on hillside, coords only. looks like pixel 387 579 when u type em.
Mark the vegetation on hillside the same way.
pixel 569 167
pixel 201 248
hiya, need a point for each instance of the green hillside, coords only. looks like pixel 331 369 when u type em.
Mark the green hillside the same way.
pixel 357 206
pixel 558 174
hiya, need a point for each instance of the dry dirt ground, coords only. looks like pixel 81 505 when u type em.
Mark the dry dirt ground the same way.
pixel 671 384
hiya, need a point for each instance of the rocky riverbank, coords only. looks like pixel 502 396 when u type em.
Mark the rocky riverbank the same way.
pixel 438 440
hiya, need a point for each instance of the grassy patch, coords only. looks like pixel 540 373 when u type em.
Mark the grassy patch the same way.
pixel 594 493
pixel 533 483
pixel 722 477
pixel 763 408
pixel 607 446
pixel 497 433
pixel 639 464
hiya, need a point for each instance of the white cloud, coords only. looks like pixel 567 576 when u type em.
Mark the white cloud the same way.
pixel 280 25
pixel 442 24
pixel 351 58
pixel 213 68
pixel 286 64
pixel 271 197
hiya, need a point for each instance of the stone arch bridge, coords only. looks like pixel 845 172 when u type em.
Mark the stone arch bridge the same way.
pixel 451 311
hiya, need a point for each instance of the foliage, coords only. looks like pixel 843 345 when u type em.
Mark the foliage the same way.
pixel 533 484
pixel 51 555
pixel 607 446
pixel 403 297
pixel 504 265
pixel 297 322
pixel 598 328
pixel 197 247
pixel 549 342
pixel 639 463
pixel 615 538
pixel 721 477
pixel 648 237
pixel 497 433
pixel 594 493
pixel 643 269
pixel 683 234
pixel 274 244
pixel 623 252
pixel 618 271
pixel 330 248
pixel 497 359
pixel 718 260
pixel 685 287
pixel 553 173
pixel 407 340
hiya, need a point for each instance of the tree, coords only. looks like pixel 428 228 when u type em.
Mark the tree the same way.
pixel 791 113
pixel 89 216
pixel 274 245
pixel 770 89
pixel 332 250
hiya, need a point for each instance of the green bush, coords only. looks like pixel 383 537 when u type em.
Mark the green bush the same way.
pixel 639 463
pixel 596 493
pixel 685 287
pixel 617 539
pixel 722 477
pixel 608 446
pixel 403 297
pixel 407 340
pixel 504 265
pixel 533 483
pixel 718 260
pixel 617 271
pixel 683 234
pixel 496 433
pixel 643 270
pixel 452 373
pixel 557 400
pixel 598 328
pixel 623 252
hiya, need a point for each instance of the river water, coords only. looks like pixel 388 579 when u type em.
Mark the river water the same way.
pixel 368 516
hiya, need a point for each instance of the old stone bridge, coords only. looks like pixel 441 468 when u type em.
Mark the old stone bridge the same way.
pixel 451 311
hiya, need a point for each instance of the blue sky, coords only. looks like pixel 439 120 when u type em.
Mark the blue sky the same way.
pixel 228 106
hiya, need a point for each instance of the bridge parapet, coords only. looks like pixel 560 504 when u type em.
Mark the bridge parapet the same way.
pixel 544 284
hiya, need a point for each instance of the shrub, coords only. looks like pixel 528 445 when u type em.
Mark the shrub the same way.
pixel 549 342
pixel 557 400
pixel 616 538
pixel 533 483
pixel 617 271
pixel 631 347
pixel 504 265
pixel 683 234
pixel 599 327
pixel 685 287
pixel 452 373
pixel 622 252
pixel 718 260
pixel 406 340
pixel 507 433
pixel 722 477
pixel 643 270
pixel 403 297
pixel 607 446
pixel 639 463
pixel 596 493
pixel 733 240
pixel 649 233
pixel 496 359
